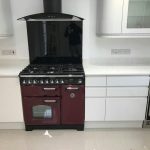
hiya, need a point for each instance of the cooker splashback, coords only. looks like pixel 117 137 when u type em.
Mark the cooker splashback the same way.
pixel 54 37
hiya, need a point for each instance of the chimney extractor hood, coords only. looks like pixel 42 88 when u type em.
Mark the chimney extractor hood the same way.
pixel 52 12
pixel 52 6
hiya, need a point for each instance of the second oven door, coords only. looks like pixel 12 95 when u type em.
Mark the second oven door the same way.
pixel 41 110
pixel 72 104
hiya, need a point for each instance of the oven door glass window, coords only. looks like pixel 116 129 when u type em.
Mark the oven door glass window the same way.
pixel 42 111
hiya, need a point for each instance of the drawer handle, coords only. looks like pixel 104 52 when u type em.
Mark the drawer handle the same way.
pixel 49 89
pixel 72 88
pixel 50 101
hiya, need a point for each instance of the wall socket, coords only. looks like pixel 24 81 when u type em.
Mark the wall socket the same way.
pixel 8 52
pixel 120 51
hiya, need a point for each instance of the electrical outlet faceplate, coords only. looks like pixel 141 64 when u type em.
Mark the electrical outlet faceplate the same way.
pixel 120 51
pixel 8 52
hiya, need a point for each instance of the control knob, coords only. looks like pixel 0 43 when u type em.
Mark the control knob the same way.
pixel 34 81
pixel 41 81
pixel 24 82
pixel 56 81
pixel 46 81
pixel 79 81
pixel 51 81
pixel 29 82
pixel 61 81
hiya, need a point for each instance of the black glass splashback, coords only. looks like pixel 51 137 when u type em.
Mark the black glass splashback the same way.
pixel 55 41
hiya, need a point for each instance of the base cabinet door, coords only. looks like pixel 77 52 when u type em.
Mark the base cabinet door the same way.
pixel 11 107
pixel 125 109
pixel 72 104
pixel 94 109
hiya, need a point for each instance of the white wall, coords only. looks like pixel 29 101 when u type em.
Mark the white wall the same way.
pixel 93 46
pixel 18 41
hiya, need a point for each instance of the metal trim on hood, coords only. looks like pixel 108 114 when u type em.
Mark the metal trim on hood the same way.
pixel 51 17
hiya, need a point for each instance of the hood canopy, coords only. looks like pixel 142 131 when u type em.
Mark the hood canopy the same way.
pixel 51 17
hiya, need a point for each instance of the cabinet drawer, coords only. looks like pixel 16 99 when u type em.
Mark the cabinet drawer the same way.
pixel 94 109
pixel 96 81
pixel 127 91
pixel 125 109
pixel 127 80
pixel 95 92
pixel 40 90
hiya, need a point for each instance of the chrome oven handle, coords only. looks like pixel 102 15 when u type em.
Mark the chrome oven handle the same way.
pixel 72 88
pixel 49 89
pixel 50 101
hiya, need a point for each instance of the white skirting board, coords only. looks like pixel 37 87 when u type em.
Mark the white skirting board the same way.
pixel 12 125
pixel 96 124
pixel 113 124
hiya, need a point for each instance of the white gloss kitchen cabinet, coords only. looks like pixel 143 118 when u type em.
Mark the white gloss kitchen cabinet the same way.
pixel 5 18
pixel 126 98
pixel 116 98
pixel 95 94
pixel 109 16
pixel 10 99
pixel 123 17
pixel 136 17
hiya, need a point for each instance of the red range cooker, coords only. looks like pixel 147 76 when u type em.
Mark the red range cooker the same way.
pixel 53 85
pixel 53 96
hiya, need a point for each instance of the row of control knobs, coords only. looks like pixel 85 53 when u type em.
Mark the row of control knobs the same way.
pixel 47 81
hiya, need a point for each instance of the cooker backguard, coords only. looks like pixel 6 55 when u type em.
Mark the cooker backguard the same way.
pixel 54 37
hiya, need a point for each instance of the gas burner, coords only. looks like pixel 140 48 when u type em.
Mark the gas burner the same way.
pixel 50 72
pixel 70 69
pixel 31 71
pixel 52 68
pixel 75 68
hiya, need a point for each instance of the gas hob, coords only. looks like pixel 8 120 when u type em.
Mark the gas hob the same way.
pixel 53 69
pixel 52 74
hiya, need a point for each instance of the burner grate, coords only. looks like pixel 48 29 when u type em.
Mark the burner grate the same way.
pixel 53 69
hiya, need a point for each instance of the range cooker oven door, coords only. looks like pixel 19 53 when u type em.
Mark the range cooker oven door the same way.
pixel 73 104
pixel 41 110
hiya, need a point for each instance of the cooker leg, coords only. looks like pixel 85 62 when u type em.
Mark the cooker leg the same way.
pixel 81 128
pixel 28 128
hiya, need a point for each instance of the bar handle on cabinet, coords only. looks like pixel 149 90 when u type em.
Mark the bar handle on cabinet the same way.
pixel 72 88
pixel 49 89
pixel 50 101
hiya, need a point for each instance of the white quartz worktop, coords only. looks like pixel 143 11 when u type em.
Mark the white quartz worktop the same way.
pixel 117 67
pixel 12 68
